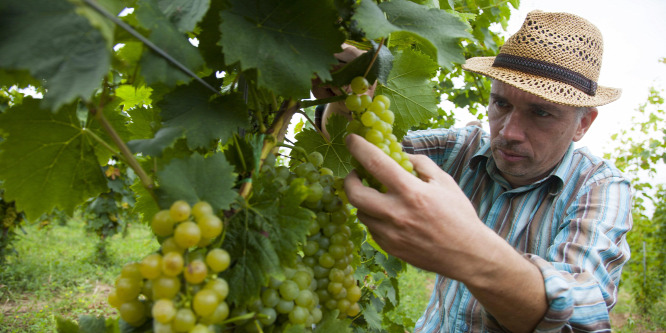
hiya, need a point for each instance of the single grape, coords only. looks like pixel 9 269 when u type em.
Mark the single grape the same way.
pixel 195 272
pixel 353 102
pixel 133 312
pixel 219 286
pixel 218 260
pixel 289 290
pixel 201 208
pixel 127 288
pixel 151 266
pixel 163 311
pixel 184 320
pixel 172 264
pixel 384 99
pixel 165 287
pixel 187 234
pixel 162 223
pixel 359 85
pixel 204 303
pixel 316 158
pixel 180 210
pixel 210 226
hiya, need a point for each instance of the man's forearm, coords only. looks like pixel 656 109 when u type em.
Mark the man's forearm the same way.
pixel 508 286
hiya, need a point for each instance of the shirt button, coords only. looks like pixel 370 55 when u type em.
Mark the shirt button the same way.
pixel 464 327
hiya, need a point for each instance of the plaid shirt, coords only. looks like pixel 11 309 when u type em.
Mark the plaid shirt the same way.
pixel 571 225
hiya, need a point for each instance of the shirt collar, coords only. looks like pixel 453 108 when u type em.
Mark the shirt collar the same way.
pixel 555 179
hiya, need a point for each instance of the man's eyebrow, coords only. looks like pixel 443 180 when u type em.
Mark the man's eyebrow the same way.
pixel 550 107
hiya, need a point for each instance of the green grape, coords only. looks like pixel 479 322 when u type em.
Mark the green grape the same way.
pixel 151 266
pixel 184 320
pixel 302 279
pixel 113 299
pixel 316 158
pixel 200 328
pixel 169 245
pixel 165 287
pixel 127 288
pixel 201 208
pixel 305 298
pixel 368 118
pixel 289 290
pixel 310 248
pixel 210 226
pixel 359 85
pixel 220 314
pixel 172 264
pixel 298 315
pixel 316 315
pixel 326 260
pixel 180 210
pixel 353 310
pixel 195 272
pixel 204 303
pixel 270 297
pixel 376 107
pixel 219 286
pixel 133 312
pixel 162 223
pixel 387 116
pixel 384 99
pixel 187 234
pixel 163 311
pixel 374 136
pixel 353 102
pixel 354 293
pixel 365 101
pixel 315 192
pixel 218 260
pixel 284 306
pixel 267 316
pixel 132 270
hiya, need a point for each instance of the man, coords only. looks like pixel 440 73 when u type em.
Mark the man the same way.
pixel 525 232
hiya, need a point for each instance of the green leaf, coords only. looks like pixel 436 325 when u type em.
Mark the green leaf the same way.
pixel 203 118
pixel 132 96
pixel 253 254
pixel 409 87
pixel 145 203
pixel 432 25
pixel 143 124
pixel 244 153
pixel 184 14
pixel 90 324
pixel 64 325
pixel 55 44
pixel 196 179
pixel 167 37
pixel 380 70
pixel 287 41
pixel 45 155
pixel 164 138
pixel 336 155
pixel 331 324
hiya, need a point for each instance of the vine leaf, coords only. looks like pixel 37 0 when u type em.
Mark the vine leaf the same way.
pixel 264 236
pixel 285 40
pixel 184 14
pixel 204 120
pixel 166 36
pixel 336 155
pixel 196 179
pixel 379 71
pixel 57 45
pixel 431 25
pixel 413 100
pixel 47 154
pixel 164 138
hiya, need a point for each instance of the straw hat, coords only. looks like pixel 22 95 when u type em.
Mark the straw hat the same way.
pixel 556 56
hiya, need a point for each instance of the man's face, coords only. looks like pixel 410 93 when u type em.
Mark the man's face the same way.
pixel 530 135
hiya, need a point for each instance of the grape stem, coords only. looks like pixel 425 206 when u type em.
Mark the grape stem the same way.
pixel 309 103
pixel 372 62
pixel 274 135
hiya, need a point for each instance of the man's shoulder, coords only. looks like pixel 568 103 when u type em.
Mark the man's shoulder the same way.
pixel 594 167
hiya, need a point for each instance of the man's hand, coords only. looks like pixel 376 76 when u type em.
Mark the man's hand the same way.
pixel 426 221
pixel 429 223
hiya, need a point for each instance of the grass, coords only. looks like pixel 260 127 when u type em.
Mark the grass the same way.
pixel 56 273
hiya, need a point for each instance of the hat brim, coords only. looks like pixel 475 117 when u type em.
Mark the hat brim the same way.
pixel 548 89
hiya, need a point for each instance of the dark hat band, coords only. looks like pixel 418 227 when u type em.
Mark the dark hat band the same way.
pixel 547 70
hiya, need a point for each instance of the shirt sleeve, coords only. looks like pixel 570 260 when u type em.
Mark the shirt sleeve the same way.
pixel 583 265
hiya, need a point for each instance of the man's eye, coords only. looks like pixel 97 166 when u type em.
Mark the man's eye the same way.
pixel 501 104
pixel 541 113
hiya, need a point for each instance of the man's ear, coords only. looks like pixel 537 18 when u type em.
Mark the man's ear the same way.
pixel 585 122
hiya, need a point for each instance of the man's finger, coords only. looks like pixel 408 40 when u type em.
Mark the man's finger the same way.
pixel 426 168
pixel 377 163
pixel 366 199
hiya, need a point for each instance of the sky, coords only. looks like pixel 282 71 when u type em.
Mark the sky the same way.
pixel 634 34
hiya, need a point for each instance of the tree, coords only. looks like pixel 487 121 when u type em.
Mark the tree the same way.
pixel 641 151
pixel 196 98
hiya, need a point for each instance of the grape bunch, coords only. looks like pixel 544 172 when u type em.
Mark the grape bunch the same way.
pixel 322 279
pixel 178 286
pixel 373 120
